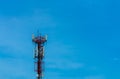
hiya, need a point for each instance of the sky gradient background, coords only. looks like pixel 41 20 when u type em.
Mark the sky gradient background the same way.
pixel 83 38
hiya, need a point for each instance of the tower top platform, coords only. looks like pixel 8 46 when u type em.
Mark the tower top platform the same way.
pixel 39 39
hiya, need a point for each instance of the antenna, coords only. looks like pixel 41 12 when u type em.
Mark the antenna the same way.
pixel 39 41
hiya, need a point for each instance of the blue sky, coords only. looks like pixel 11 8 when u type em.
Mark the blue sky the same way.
pixel 83 38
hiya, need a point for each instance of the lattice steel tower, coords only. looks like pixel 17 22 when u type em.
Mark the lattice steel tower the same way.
pixel 39 53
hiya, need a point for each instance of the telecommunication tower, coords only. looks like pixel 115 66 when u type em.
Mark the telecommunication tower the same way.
pixel 39 53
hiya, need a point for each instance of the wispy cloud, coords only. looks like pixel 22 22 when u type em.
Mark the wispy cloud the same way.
pixel 15 68
pixel 63 64
pixel 16 32
pixel 116 59
pixel 61 57
pixel 95 77
pixel 16 44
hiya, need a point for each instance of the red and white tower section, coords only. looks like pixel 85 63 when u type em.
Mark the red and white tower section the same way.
pixel 39 54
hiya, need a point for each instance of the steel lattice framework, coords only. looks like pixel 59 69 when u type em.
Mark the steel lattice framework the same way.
pixel 39 53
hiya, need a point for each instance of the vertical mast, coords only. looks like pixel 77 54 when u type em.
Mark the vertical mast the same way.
pixel 39 53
